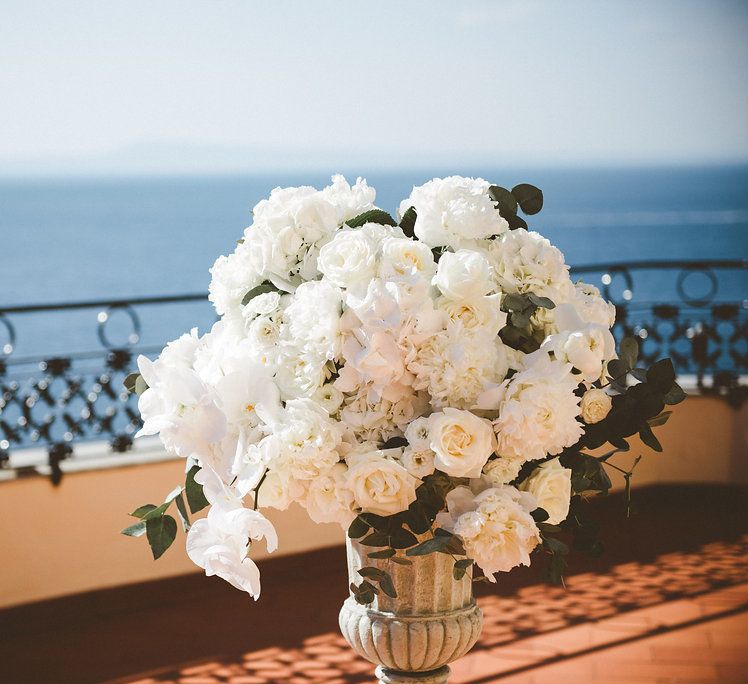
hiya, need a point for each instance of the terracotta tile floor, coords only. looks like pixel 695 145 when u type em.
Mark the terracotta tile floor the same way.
pixel 681 618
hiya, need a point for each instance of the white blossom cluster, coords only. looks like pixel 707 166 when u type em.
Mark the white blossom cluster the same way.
pixel 359 335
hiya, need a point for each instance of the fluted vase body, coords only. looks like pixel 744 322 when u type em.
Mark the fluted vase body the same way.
pixel 433 621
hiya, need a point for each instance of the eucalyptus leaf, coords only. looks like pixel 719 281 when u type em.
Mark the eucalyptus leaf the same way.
pixel 660 419
pixel 372 573
pixel 648 437
pixel 384 553
pixel 506 203
pixel 529 198
pixel 358 528
pixel 629 351
pixel 386 585
pixel 674 395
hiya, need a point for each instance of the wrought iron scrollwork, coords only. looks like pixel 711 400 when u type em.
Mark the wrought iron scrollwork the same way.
pixel 57 402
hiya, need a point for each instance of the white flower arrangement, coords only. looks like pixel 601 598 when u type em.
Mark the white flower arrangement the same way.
pixel 429 383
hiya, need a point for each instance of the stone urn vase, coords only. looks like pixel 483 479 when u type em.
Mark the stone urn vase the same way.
pixel 433 621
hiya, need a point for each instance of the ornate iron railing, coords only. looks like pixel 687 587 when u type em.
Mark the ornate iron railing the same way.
pixel 53 401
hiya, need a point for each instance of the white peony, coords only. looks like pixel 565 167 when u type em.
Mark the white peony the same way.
pixel 595 405
pixel 538 411
pixel 550 484
pixel 502 470
pixel 329 499
pixel 380 485
pixel 495 526
pixel 524 261
pixel 461 441
pixel 452 211
pixel 591 307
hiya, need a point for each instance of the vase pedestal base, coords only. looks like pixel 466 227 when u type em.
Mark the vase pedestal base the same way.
pixel 387 676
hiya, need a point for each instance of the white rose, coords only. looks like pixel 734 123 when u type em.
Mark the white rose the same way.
pixel 380 485
pixel 550 484
pixel 263 304
pixel 462 275
pixel 451 211
pixel 591 307
pixel 405 258
pixel 479 315
pixel 418 463
pixel 461 441
pixel 595 406
pixel 349 259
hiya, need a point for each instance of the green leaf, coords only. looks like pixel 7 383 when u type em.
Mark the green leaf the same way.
pixel 395 443
pixel 158 511
pixel 506 203
pixel 674 395
pixel 408 223
pixel 529 198
pixel 182 510
pixel 640 374
pixel 129 381
pixel 136 530
pixel 376 539
pixel 140 511
pixel 648 437
pixel 661 375
pixel 629 351
pixel 262 288
pixel 358 528
pixel 372 216
pixel 195 497
pixel 539 515
pixel 461 567
pixel 402 539
pixel 432 545
pixel 541 302
pixel 386 585
pixel 384 553
pixel 400 560
pixel 660 419
pixel 372 573
pixel 516 222
pixel 161 533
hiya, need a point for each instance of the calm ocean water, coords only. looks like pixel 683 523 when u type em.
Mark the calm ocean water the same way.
pixel 63 240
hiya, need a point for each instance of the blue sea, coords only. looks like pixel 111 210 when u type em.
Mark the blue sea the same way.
pixel 84 239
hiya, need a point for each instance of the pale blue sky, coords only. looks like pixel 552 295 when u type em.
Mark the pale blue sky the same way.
pixel 556 82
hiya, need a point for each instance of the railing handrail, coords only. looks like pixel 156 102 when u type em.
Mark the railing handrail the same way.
pixel 662 263
pixel 110 303
pixel 166 299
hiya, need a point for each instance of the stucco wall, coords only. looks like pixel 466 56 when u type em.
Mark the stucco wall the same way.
pixel 56 541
